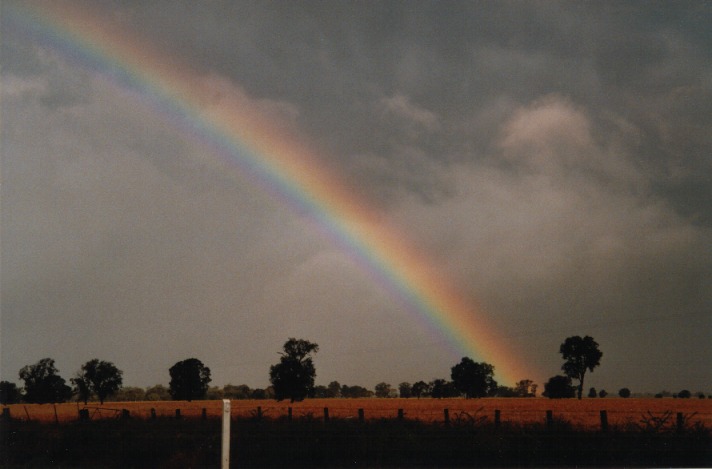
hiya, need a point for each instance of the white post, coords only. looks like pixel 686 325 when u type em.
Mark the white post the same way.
pixel 226 435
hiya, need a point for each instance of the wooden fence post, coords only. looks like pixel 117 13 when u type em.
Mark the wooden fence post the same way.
pixel 326 414
pixel 125 414
pixel 446 413
pixel 549 419
pixel 680 422
pixel 153 413
pixel 83 414
pixel 604 421
pixel 400 414
pixel 361 416
pixel 496 418
pixel 205 414
pixel 289 414
pixel 177 413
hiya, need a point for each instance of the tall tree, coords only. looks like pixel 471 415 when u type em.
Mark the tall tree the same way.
pixel 474 379
pixel 420 389
pixel 43 383
pixel 581 354
pixel 189 380
pixel 99 377
pixel 293 377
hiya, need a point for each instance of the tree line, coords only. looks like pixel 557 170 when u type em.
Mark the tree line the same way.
pixel 293 378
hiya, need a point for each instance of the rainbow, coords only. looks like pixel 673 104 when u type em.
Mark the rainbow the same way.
pixel 283 164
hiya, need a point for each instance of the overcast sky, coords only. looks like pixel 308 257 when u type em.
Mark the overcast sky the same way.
pixel 553 158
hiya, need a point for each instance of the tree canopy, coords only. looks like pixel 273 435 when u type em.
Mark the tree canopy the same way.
pixel 99 377
pixel 189 380
pixel 581 354
pixel 474 379
pixel 559 387
pixel 43 383
pixel 293 377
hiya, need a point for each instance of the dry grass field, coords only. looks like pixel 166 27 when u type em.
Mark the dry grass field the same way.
pixel 584 413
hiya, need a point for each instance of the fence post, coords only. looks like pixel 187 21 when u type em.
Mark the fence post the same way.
pixel 496 418
pixel 177 413
pixel 604 421
pixel 153 413
pixel 259 413
pixel 361 416
pixel 289 414
pixel 680 422
pixel 446 413
pixel 549 419
pixel 6 413
pixel 205 413
pixel 83 414
pixel 326 414
pixel 400 414
pixel 125 414
pixel 225 460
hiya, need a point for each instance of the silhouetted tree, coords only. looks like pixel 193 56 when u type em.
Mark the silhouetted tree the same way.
pixel 684 394
pixel 420 389
pixel 474 379
pixel 440 388
pixel 43 384
pixel 355 391
pixel 384 390
pixel 81 387
pixel 242 391
pixel 624 392
pixel 602 393
pixel 559 387
pixel 97 376
pixel 405 390
pixel 9 394
pixel 189 380
pixel 293 377
pixel 525 388
pixel 334 389
pixel 581 354
pixel 592 393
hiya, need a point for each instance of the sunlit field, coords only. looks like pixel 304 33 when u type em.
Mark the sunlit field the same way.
pixel 584 413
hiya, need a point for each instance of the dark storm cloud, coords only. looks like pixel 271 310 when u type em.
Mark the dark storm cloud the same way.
pixel 554 157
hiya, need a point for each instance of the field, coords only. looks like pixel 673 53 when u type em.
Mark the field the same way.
pixel 640 432
pixel 583 414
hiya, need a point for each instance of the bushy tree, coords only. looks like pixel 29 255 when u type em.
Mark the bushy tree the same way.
pixel 189 380
pixel 602 393
pixel 43 383
pixel 684 394
pixel 581 354
pixel 559 387
pixel 241 391
pixel 420 389
pixel 355 392
pixel 9 394
pixel 334 389
pixel 525 388
pixel 293 377
pixel 99 377
pixel 384 390
pixel 474 379
pixel 592 393
pixel 440 389
pixel 404 390
pixel 624 392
